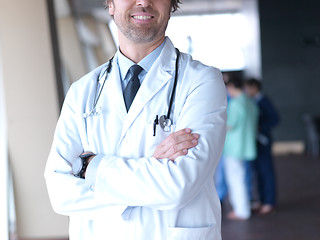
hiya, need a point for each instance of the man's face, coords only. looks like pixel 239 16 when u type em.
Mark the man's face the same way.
pixel 251 91
pixel 141 20
pixel 230 90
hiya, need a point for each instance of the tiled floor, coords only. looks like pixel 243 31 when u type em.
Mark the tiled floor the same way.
pixel 298 213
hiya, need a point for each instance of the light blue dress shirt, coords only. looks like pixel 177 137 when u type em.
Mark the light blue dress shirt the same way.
pixel 125 63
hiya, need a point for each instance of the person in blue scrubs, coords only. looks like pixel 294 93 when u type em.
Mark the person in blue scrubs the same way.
pixel 263 167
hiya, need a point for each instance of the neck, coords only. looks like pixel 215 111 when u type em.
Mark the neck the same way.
pixel 257 94
pixel 137 51
pixel 237 93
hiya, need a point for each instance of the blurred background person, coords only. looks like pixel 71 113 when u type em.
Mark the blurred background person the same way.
pixel 263 167
pixel 219 177
pixel 220 180
pixel 240 146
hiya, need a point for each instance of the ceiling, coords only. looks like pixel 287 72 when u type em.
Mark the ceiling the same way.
pixel 209 6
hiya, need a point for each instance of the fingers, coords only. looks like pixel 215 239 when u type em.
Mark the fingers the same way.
pixel 86 153
pixel 178 137
pixel 180 146
pixel 177 144
pixel 171 140
pixel 178 154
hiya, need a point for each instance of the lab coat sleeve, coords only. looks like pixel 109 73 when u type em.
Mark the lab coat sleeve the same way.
pixel 68 194
pixel 163 184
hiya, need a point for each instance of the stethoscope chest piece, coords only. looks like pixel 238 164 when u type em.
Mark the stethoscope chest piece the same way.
pixel 164 120
pixel 165 123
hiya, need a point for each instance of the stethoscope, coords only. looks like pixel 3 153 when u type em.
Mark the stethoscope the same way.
pixel 164 121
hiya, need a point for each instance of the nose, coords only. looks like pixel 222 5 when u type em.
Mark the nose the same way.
pixel 144 3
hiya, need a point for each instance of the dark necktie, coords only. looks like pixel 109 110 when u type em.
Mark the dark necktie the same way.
pixel 133 86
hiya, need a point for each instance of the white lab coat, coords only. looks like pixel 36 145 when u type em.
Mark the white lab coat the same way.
pixel 131 194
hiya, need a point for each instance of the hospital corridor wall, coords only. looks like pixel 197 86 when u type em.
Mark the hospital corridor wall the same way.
pixel 32 110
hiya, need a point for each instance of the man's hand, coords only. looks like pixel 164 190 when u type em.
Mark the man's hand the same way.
pixel 176 144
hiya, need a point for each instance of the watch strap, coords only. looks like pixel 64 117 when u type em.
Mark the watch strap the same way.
pixel 84 158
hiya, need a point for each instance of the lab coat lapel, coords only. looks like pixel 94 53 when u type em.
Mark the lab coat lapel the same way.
pixel 151 85
pixel 114 91
pixel 160 73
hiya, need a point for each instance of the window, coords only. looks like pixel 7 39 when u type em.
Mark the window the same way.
pixel 216 40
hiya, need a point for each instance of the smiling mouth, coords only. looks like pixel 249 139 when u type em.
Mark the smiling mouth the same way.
pixel 142 17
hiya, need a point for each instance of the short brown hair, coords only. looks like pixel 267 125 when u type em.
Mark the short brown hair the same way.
pixel 253 82
pixel 174 4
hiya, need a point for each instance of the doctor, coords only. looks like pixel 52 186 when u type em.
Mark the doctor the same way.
pixel 114 169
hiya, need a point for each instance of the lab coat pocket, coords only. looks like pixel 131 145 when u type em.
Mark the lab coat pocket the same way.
pixel 202 233
pixel 155 133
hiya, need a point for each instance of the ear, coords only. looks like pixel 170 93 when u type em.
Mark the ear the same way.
pixel 111 8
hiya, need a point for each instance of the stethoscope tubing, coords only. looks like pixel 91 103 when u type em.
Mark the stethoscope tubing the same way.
pixel 174 84
pixel 107 72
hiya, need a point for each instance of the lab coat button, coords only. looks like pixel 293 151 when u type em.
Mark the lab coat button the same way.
pixel 92 187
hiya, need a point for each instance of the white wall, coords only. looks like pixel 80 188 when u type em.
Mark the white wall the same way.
pixel 32 112
pixel 4 227
pixel 252 51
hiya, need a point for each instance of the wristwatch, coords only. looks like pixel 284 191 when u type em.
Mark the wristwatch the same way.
pixel 84 158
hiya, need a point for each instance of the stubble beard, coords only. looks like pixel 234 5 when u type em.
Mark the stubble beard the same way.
pixel 139 34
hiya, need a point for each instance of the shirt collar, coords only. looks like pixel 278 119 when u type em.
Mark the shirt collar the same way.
pixel 147 61
pixel 125 63
pixel 258 96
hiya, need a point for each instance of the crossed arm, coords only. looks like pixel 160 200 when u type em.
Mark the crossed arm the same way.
pixel 172 183
pixel 175 145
